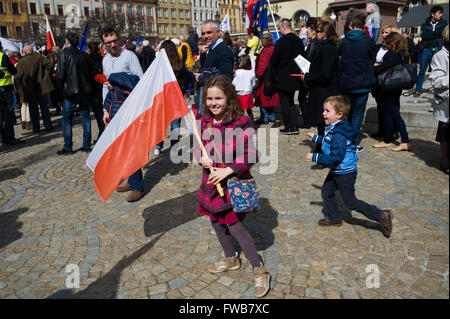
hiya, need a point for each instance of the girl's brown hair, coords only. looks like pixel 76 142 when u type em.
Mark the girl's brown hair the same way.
pixel 172 54
pixel 246 62
pixel 329 31
pixel 223 83
pixel 396 43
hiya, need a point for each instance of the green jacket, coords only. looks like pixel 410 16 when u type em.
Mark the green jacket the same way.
pixel 430 38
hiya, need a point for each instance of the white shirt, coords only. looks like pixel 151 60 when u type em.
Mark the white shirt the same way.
pixel 380 54
pixel 244 81
pixel 126 62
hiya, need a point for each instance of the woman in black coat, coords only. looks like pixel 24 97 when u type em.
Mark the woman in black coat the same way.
pixel 389 100
pixel 322 79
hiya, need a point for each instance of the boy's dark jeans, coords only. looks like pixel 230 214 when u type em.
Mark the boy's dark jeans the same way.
pixel 345 183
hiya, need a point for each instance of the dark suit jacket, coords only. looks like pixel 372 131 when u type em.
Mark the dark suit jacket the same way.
pixel 287 48
pixel 220 58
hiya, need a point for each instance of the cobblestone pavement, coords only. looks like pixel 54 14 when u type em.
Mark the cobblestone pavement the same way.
pixel 159 247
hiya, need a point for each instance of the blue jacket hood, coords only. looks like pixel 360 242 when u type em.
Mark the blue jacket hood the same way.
pixel 344 128
pixel 355 35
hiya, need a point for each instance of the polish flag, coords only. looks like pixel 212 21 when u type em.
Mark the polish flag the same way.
pixel 50 38
pixel 140 124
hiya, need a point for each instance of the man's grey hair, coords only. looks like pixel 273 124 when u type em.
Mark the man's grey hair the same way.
pixel 214 23
pixel 10 53
pixel 374 6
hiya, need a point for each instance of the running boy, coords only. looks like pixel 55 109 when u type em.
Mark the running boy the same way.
pixel 339 154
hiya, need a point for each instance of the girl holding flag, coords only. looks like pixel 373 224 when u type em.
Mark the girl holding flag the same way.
pixel 224 112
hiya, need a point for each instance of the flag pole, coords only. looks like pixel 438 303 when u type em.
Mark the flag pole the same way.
pixel 199 140
pixel 273 19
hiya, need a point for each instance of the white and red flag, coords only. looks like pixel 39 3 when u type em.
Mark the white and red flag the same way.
pixel 140 124
pixel 50 38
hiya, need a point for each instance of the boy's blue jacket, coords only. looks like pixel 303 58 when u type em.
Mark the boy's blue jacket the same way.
pixel 123 84
pixel 339 148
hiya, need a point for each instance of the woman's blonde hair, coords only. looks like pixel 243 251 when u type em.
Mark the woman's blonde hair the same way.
pixel 391 27
pixel 445 34
pixel 223 83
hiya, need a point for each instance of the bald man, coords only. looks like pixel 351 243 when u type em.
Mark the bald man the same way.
pixel 285 75
pixel 33 81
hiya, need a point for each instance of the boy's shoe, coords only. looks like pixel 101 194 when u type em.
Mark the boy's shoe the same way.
pixel 262 281
pixel 286 131
pixel 64 152
pixel 325 222
pixel 359 148
pixel 124 188
pixel 417 94
pixel 156 151
pixel 386 222
pixel 135 196
pixel 224 264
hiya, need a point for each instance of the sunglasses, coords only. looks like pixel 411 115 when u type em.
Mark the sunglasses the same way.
pixel 319 31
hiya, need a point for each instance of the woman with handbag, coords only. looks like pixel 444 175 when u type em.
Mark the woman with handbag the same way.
pixel 224 113
pixel 266 103
pixel 389 99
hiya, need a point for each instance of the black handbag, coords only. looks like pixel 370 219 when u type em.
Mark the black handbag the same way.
pixel 269 87
pixel 399 77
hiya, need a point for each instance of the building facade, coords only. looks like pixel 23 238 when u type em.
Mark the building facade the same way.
pixel 234 10
pixel 173 18
pixel 13 19
pixel 202 10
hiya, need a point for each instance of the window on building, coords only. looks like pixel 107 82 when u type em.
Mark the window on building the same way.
pixel 139 10
pixel 181 14
pixel 166 29
pixel 19 32
pixel 35 27
pixel 158 13
pixel 186 1
pixel 180 1
pixel 97 12
pixel 151 27
pixel 109 7
pixel 195 16
pixel 165 13
pixel 4 31
pixel 119 8
pixel 201 16
pixel 172 13
pixel 86 11
pixel 2 10
pixel 187 14
pixel 47 8
pixel 15 8
pixel 172 1
pixel 130 9
pixel 60 10
pixel 160 29
pixel 181 29
pixel 174 30
pixel 149 11
pixel 32 8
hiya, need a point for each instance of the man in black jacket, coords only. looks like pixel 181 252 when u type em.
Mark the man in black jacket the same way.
pixel 148 55
pixel 285 74
pixel 74 71
pixel 193 40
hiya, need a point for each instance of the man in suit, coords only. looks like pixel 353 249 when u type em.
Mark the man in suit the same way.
pixel 219 59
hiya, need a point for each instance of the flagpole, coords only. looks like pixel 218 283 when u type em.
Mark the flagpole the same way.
pixel 199 140
pixel 273 19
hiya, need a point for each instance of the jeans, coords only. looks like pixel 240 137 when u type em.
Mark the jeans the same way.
pixel 6 115
pixel 174 132
pixel 345 183
pixel 425 59
pixel 390 112
pixel 69 104
pixel 136 180
pixel 267 114
pixel 358 108
pixel 288 109
pixel 97 109
pixel 34 114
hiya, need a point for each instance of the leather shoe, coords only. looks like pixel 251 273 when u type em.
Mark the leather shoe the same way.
pixel 386 222
pixel 135 196
pixel 64 152
pixel 324 222
pixel 124 188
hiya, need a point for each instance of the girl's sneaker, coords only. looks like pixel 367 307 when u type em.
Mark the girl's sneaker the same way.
pixel 262 281
pixel 226 263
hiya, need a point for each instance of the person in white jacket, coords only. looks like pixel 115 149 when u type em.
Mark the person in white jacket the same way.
pixel 439 82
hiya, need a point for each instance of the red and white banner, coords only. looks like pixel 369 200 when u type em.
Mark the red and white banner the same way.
pixel 50 38
pixel 140 124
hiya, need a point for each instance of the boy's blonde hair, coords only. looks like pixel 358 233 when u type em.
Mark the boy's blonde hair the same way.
pixel 340 103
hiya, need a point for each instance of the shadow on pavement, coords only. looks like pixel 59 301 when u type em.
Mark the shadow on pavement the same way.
pixel 9 226
pixel 427 151
pixel 106 287
pixel 10 173
pixel 265 237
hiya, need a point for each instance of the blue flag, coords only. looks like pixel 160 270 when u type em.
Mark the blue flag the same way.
pixel 259 15
pixel 82 45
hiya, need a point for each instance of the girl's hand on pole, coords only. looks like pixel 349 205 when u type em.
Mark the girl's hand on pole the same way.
pixel 218 174
pixel 206 162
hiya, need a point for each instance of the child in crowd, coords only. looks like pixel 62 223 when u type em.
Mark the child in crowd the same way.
pixel 244 81
pixel 339 154
pixel 224 112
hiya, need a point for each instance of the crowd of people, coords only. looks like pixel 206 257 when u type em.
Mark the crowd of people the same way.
pixel 226 79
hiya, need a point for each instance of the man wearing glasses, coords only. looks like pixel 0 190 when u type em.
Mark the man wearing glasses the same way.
pixel 118 60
